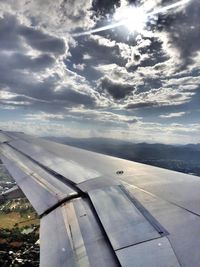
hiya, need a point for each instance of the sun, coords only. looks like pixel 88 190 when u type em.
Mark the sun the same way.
pixel 133 18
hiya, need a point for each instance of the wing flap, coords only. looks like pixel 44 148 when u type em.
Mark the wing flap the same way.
pixel 119 216
pixel 182 225
pixel 154 253
pixel 74 238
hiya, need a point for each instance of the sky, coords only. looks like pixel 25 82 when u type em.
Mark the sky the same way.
pixel 138 81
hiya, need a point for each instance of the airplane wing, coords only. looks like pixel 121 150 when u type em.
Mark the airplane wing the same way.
pixel 103 211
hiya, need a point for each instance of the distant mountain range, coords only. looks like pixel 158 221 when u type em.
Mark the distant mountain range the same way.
pixel 182 158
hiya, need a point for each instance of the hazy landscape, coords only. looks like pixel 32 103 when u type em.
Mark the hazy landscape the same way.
pixel 19 229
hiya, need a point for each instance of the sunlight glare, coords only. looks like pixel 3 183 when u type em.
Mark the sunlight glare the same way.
pixel 133 18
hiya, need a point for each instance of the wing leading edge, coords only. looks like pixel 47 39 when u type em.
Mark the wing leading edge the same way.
pixel 150 217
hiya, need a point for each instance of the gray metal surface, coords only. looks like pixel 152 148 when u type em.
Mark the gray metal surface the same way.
pixel 154 253
pixel 39 196
pixel 97 183
pixel 74 238
pixel 60 165
pixel 31 168
pixel 15 171
pixel 41 188
pixel 55 246
pixel 14 135
pixel 179 188
pixel 173 186
pixel 98 249
pixel 122 221
pixel 183 226
pixel 13 155
pixel 4 138
pixel 171 198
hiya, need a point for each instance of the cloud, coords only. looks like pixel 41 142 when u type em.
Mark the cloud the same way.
pixel 173 115
pixel 79 66
pixel 102 117
pixel 33 73
pixel 44 128
pixel 158 98
pixel 100 51
pixel 17 61
pixel 42 116
pixel 182 27
pixel 111 84
pixel 105 8
pixel 142 105
pixel 74 97
pixel 137 132
pixel 54 17
pixel 115 89
pixel 42 41
pixel 10 39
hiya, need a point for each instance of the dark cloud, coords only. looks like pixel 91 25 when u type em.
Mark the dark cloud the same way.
pixel 42 41
pixel 11 32
pixel 17 68
pixel 175 96
pixel 148 84
pixel 9 37
pixel 184 31
pixel 104 7
pixel 117 90
pixel 73 97
pixel 100 53
pixel 154 55
pixel 142 105
pixel 132 121
pixel 44 92
pixel 20 61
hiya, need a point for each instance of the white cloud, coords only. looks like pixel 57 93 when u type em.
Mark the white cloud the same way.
pixel 86 57
pixel 42 116
pixel 6 95
pixel 103 41
pixel 79 66
pixel 101 116
pixel 57 17
pixel 136 132
pixel 173 115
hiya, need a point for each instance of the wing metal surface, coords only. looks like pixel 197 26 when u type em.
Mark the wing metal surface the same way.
pixel 90 216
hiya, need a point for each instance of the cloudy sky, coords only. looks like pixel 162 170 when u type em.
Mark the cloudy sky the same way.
pixel 138 81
